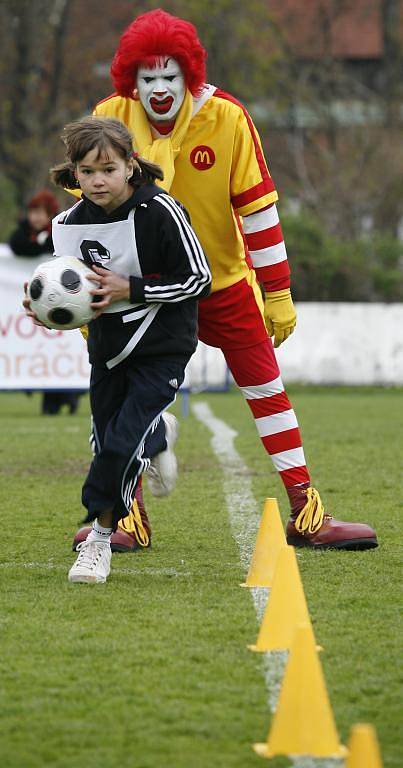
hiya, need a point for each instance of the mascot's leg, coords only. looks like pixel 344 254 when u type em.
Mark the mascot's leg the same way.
pixel 132 533
pixel 232 319
pixel 256 372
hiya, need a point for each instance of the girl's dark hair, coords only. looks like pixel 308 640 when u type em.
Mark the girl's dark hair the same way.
pixel 81 136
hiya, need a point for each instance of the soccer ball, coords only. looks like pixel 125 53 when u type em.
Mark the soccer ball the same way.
pixel 59 292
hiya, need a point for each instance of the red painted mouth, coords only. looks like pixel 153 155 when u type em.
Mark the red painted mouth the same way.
pixel 161 106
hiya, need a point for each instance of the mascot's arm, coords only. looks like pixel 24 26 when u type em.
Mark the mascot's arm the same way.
pixel 269 257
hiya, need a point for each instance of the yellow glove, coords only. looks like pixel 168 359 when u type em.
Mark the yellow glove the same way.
pixel 279 315
pixel 84 332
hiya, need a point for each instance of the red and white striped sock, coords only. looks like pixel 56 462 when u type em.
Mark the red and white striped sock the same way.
pixel 256 373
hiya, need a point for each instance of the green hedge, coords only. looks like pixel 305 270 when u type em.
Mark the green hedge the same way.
pixel 325 268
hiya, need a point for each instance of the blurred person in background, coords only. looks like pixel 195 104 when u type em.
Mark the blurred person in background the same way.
pixel 32 238
pixel 213 163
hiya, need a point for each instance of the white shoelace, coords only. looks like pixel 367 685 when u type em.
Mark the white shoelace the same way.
pixel 89 553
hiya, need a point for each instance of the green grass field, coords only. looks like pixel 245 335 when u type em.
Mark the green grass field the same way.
pixel 151 670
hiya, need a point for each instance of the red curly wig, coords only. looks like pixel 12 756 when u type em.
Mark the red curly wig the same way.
pixel 156 34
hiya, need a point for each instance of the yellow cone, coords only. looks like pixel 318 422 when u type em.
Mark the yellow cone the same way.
pixel 286 607
pixel 363 748
pixel 303 723
pixel 270 539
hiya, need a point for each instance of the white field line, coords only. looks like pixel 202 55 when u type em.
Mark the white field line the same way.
pixel 244 515
pixel 37 566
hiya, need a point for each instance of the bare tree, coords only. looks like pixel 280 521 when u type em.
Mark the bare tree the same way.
pixel 32 37
pixel 338 149
pixel 55 67
pixel 331 130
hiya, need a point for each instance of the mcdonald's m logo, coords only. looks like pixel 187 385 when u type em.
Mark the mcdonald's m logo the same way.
pixel 202 157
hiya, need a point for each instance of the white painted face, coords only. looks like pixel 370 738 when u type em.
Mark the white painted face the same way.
pixel 161 89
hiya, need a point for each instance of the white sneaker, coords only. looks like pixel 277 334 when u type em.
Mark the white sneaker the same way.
pixel 93 564
pixel 163 469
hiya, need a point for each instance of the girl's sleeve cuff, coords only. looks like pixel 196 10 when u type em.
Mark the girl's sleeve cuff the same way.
pixel 136 290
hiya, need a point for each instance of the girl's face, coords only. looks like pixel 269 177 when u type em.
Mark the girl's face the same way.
pixel 104 178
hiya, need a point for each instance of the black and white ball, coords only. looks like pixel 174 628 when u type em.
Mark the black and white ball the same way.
pixel 59 292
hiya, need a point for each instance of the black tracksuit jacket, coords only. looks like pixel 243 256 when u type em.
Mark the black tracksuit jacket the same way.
pixel 175 273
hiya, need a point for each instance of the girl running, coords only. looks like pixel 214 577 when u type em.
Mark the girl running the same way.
pixel 150 271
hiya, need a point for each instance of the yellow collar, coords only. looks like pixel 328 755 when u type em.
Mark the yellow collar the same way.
pixel 162 151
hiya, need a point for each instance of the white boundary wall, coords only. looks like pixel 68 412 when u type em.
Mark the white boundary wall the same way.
pixel 334 343
pixel 343 343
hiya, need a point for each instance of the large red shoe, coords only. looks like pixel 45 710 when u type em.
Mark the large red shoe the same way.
pixel 133 532
pixel 311 527
pixel 120 540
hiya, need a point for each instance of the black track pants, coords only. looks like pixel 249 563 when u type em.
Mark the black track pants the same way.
pixel 127 403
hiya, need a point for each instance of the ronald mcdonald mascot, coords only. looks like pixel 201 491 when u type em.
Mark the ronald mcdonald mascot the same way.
pixel 213 163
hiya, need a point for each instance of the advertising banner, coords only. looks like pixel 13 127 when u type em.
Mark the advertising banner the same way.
pixel 32 357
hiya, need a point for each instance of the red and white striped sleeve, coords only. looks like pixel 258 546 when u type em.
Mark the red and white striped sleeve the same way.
pixel 267 249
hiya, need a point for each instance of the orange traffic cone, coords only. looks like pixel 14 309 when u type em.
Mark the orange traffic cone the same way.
pixel 363 747
pixel 270 539
pixel 286 607
pixel 303 723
